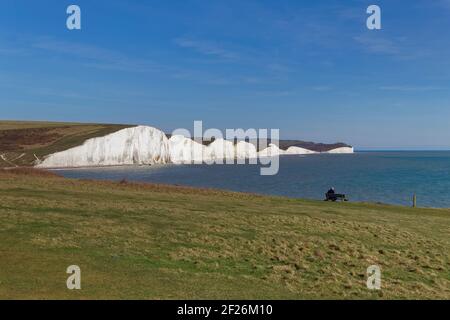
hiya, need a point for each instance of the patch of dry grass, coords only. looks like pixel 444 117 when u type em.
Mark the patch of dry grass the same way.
pixel 27 171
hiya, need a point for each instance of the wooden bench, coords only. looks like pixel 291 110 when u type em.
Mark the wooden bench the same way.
pixel 335 197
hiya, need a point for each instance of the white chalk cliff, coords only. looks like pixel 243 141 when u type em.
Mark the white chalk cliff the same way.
pixel 271 151
pixel 144 145
pixel 298 150
pixel 218 150
pixel 342 150
pixel 246 150
pixel 185 151
pixel 137 145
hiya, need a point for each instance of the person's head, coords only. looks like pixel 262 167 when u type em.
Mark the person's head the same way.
pixel 332 188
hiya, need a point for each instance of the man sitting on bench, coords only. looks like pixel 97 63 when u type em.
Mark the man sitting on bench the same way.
pixel 331 195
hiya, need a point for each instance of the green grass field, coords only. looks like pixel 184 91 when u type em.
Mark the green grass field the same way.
pixel 22 142
pixel 136 241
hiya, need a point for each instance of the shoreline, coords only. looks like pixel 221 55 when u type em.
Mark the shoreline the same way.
pixel 131 182
pixel 360 189
pixel 191 164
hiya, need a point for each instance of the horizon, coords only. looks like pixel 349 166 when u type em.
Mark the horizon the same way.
pixel 313 70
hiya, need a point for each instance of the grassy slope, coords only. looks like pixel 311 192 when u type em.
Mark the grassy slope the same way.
pixel 136 241
pixel 21 140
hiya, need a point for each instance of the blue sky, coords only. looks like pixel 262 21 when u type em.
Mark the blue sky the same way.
pixel 310 68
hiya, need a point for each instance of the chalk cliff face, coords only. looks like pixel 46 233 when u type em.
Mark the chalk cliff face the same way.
pixel 271 151
pixel 246 150
pixel 342 150
pixel 219 150
pixel 137 145
pixel 298 150
pixel 144 145
pixel 185 151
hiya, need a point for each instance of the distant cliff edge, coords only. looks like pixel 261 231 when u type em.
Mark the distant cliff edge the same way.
pixel 53 144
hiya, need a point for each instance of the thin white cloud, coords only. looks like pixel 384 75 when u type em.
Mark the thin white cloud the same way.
pixel 444 3
pixel 378 45
pixel 279 68
pixel 96 57
pixel 321 88
pixel 409 88
pixel 401 48
pixel 206 48
pixel 11 51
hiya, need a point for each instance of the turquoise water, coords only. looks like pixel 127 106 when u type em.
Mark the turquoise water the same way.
pixel 388 177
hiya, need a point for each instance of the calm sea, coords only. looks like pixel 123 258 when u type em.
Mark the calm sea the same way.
pixel 388 177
